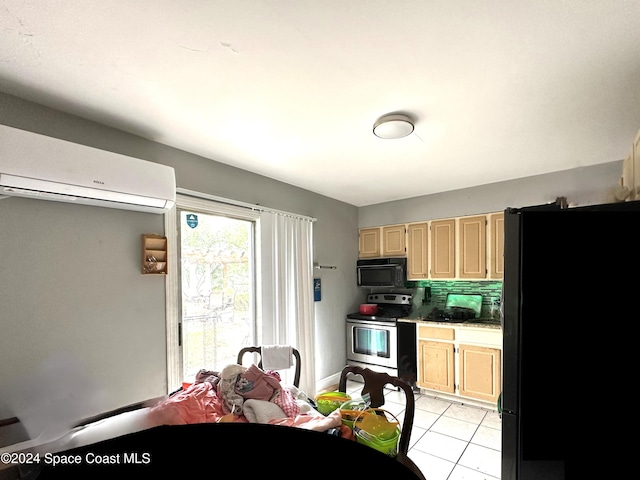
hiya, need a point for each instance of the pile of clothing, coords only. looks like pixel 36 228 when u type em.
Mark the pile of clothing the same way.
pixel 236 384
pixel 241 394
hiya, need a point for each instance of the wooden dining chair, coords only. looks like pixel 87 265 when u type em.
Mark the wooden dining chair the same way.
pixel 374 385
pixel 258 349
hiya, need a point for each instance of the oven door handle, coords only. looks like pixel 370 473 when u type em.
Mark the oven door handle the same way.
pixel 371 323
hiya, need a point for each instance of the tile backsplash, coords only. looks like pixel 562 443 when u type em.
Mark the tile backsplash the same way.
pixel 489 289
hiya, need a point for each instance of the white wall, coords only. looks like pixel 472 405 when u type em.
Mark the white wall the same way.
pixel 582 186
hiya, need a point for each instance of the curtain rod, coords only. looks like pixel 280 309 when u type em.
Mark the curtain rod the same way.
pixel 228 201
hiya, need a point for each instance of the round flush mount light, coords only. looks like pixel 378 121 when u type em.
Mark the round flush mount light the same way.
pixel 393 126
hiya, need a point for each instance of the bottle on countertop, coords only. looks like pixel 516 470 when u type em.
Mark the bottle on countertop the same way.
pixel 495 308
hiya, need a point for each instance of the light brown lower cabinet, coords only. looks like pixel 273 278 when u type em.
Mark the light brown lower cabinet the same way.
pixel 437 372
pixel 479 372
pixel 462 362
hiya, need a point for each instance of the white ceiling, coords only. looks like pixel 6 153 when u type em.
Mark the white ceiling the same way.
pixel 290 89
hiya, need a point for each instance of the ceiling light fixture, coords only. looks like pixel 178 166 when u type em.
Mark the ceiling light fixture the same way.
pixel 393 126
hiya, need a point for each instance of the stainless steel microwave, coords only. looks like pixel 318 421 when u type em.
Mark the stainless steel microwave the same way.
pixel 382 272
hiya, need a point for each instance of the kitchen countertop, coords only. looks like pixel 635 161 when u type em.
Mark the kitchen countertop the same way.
pixel 478 323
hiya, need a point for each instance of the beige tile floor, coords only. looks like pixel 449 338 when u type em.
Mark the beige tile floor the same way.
pixel 449 440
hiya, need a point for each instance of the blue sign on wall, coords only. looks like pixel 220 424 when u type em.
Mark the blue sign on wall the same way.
pixel 192 220
pixel 317 290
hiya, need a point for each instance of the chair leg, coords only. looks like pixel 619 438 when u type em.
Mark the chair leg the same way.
pixel 407 462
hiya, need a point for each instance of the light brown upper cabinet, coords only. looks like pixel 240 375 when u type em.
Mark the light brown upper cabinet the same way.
pixel 417 251
pixel 387 241
pixel 472 247
pixel 443 242
pixel 369 242
pixel 394 241
pixel 452 248
pixel 496 242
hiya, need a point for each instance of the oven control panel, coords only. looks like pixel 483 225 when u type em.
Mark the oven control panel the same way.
pixel 389 298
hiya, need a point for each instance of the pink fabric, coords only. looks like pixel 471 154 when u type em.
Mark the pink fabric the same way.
pixel 286 401
pixel 204 403
pixel 199 403
pixel 256 384
pixel 274 374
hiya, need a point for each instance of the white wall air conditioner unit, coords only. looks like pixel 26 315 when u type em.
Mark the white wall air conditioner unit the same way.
pixel 37 166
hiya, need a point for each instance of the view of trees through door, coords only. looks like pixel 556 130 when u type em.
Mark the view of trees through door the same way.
pixel 217 289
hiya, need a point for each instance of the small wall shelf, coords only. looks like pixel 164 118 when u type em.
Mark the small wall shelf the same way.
pixel 154 254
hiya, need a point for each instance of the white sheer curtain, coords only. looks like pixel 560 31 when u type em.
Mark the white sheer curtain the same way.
pixel 288 316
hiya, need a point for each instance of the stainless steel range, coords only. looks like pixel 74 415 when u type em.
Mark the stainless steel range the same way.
pixel 380 342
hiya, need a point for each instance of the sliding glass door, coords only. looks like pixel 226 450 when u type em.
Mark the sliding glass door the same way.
pixel 211 302
pixel 216 262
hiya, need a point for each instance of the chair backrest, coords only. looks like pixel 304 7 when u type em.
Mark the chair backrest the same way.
pixel 374 384
pixel 257 349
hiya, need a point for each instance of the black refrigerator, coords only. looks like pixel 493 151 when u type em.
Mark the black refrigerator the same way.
pixel 570 292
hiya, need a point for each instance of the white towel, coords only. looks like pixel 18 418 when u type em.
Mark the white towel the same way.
pixel 276 357
pixel 261 411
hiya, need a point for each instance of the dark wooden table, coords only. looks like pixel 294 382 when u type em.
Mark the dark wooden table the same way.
pixel 241 450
